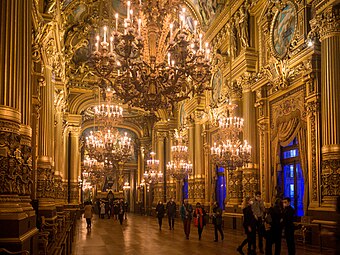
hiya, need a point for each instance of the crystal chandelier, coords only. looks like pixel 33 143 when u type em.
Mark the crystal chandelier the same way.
pixel 155 58
pixel 107 112
pixel 229 151
pixel 92 164
pixel 109 145
pixel 151 173
pixel 179 168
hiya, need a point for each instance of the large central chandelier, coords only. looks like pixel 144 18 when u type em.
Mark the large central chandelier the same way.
pixel 180 167
pixel 153 57
pixel 229 151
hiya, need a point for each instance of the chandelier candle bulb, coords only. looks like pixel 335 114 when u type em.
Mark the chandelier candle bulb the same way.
pixel 171 27
pixel 128 10
pixel 105 29
pixel 111 44
pixel 200 36
pixel 116 16
pixel 131 16
pixel 139 26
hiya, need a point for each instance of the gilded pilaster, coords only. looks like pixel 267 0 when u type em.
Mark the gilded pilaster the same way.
pixel 250 171
pixel 266 178
pixel 330 104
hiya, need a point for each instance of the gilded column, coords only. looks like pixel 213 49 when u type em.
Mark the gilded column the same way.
pixel 45 185
pixel 17 218
pixel 235 176
pixel 191 149
pixel 59 148
pixel 74 167
pixel 199 174
pixel 160 155
pixel 250 171
pixel 330 104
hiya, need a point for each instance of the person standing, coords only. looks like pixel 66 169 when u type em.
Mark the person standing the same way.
pixel 199 214
pixel 126 207
pixel 160 213
pixel 121 211
pixel 249 225
pixel 217 221
pixel 288 225
pixel 274 233
pixel 186 215
pixel 88 211
pixel 102 209
pixel 171 211
pixel 259 210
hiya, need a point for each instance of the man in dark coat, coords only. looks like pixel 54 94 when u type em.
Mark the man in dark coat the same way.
pixel 171 211
pixel 217 221
pixel 288 225
pixel 249 224
pixel 274 233
pixel 160 213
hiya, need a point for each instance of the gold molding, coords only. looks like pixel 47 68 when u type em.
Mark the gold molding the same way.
pixel 9 113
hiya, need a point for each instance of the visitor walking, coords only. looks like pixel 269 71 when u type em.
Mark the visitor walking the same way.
pixel 171 212
pixel 249 225
pixel 186 215
pixel 217 221
pixel 160 213
pixel 88 211
pixel 199 222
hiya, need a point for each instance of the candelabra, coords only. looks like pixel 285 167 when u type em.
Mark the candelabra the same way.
pixel 179 168
pixel 228 151
pixel 152 174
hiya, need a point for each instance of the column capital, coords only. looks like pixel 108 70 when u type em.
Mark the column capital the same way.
pixel 326 24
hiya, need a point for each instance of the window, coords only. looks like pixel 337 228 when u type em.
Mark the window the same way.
pixel 290 179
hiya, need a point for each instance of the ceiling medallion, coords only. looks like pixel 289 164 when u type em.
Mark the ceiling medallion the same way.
pixel 153 57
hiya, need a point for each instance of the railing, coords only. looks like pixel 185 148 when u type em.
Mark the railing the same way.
pixel 56 235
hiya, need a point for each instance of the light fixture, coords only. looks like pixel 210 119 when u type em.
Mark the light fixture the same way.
pixel 107 112
pixel 152 64
pixel 152 174
pixel 126 186
pixel 180 167
pixel 109 145
pixel 229 151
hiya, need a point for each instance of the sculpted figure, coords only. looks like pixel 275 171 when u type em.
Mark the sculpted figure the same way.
pixel 243 28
